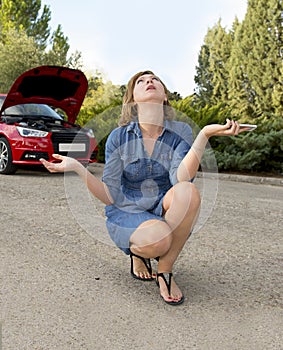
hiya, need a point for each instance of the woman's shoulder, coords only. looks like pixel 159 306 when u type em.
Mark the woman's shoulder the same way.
pixel 117 135
pixel 179 127
pixel 117 131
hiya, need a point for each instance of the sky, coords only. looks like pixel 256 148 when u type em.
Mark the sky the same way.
pixel 120 38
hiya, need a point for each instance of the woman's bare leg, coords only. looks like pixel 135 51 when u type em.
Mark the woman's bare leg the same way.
pixel 181 205
pixel 151 239
pixel 166 239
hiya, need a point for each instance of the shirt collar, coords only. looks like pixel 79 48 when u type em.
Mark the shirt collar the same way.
pixel 134 126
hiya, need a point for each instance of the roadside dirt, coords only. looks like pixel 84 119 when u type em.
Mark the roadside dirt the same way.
pixel 64 286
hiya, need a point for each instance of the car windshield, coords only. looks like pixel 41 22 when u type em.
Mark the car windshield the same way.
pixel 30 109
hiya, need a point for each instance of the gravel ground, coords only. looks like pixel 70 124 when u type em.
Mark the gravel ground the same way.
pixel 63 286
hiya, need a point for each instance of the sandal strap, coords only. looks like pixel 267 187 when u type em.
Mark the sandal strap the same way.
pixel 167 277
pixel 144 260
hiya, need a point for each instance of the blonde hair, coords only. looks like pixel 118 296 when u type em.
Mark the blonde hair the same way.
pixel 129 108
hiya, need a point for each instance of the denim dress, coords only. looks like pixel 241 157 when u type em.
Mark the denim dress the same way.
pixel 138 182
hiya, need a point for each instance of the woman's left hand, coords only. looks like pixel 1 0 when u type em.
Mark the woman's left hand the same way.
pixel 231 128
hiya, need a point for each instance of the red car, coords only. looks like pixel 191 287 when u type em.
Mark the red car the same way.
pixel 31 129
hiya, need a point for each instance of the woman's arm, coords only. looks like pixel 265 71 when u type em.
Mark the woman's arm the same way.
pixel 96 186
pixel 190 164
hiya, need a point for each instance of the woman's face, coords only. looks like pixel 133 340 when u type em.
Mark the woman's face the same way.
pixel 148 88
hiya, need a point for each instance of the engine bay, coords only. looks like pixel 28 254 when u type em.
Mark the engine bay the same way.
pixel 39 123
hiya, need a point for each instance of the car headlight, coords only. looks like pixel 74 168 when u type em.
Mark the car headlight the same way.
pixel 26 132
pixel 90 133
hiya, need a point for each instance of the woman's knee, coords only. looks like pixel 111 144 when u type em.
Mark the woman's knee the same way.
pixel 156 240
pixel 162 245
pixel 187 195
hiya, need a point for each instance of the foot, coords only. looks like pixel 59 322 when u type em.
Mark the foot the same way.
pixel 172 295
pixel 141 268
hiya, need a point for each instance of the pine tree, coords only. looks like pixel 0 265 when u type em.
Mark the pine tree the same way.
pixel 60 47
pixel 25 15
pixel 203 77
pixel 212 73
pixel 255 84
pixel 220 54
pixel 276 15
pixel 239 91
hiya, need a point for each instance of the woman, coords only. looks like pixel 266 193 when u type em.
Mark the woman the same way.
pixel 151 160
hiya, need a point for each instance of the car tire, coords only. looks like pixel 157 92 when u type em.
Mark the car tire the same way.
pixel 6 160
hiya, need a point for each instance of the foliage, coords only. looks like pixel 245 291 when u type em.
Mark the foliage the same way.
pixel 60 47
pixel 242 68
pixel 203 77
pixel 257 151
pixel 17 55
pixel 26 40
pixel 239 75
pixel 253 153
pixel 212 72
pixel 256 60
pixel 101 109
pixel 24 15
pixel 198 116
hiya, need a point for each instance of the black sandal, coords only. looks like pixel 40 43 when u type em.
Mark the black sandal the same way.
pixel 167 280
pixel 147 265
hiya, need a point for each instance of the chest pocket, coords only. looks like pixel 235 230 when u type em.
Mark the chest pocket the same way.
pixel 132 167
pixel 165 160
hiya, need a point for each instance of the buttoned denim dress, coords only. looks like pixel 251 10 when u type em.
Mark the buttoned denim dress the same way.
pixel 138 182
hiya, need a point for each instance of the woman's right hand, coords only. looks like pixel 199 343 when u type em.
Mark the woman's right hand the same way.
pixel 66 164
pixel 231 128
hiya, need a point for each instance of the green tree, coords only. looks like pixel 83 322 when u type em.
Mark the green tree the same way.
pixel 57 55
pixel 239 90
pixel 26 20
pixel 102 106
pixel 174 96
pixel 203 77
pixel 276 19
pixel 277 95
pixel 25 15
pixel 255 80
pixel 220 50
pixel 212 72
pixel 18 54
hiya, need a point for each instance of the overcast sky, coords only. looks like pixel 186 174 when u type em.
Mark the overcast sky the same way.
pixel 120 38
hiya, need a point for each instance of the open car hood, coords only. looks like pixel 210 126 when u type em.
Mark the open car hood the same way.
pixel 58 87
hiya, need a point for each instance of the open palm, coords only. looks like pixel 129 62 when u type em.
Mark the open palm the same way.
pixel 66 164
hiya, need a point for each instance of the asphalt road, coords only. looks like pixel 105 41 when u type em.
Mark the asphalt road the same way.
pixel 64 286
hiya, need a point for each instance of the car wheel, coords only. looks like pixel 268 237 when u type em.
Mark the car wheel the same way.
pixel 6 165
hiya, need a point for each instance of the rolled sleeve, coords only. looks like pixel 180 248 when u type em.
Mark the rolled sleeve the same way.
pixel 178 155
pixel 184 133
pixel 113 166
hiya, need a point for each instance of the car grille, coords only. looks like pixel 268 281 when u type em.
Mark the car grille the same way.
pixel 59 138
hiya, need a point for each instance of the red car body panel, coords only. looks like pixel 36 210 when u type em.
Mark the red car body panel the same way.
pixel 56 87
pixel 59 87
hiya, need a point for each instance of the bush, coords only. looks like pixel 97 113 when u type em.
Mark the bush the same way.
pixel 251 152
pixel 257 151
